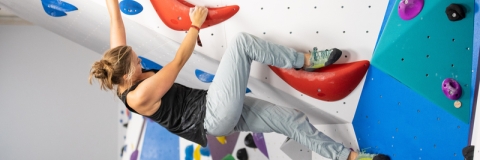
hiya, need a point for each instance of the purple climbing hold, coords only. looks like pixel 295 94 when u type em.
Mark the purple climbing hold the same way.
pixel 260 143
pixel 451 89
pixel 134 155
pixel 409 9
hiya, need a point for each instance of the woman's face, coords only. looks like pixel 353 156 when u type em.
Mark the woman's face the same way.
pixel 137 63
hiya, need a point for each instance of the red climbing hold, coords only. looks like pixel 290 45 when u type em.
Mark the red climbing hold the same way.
pixel 330 83
pixel 174 13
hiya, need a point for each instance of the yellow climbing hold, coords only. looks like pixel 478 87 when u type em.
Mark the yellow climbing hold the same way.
pixel 196 153
pixel 222 139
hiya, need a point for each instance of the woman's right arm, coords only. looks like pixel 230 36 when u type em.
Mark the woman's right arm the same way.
pixel 117 29
pixel 154 88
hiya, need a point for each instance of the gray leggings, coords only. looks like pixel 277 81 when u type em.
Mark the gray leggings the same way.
pixel 228 110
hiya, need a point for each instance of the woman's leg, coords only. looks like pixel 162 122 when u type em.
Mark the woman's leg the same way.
pixel 227 91
pixel 262 116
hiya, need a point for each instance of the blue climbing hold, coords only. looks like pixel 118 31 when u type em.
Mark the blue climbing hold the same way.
pixel 248 90
pixel 130 7
pixel 205 151
pixel 476 7
pixel 189 152
pixel 208 78
pixel 204 76
pixel 148 64
pixel 57 8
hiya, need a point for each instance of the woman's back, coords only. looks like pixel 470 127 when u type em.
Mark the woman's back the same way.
pixel 181 111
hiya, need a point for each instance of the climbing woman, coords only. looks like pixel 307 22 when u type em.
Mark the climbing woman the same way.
pixel 223 108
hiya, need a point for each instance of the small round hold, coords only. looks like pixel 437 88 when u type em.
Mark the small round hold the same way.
pixel 242 154
pixel 457 104
pixel 452 89
pixel 319 90
pixel 455 12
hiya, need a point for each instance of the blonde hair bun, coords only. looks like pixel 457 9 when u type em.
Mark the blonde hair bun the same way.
pixel 102 69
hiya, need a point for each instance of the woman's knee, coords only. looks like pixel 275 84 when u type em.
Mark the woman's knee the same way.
pixel 300 118
pixel 242 38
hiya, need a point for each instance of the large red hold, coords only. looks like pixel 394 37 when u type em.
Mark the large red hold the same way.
pixel 174 13
pixel 330 83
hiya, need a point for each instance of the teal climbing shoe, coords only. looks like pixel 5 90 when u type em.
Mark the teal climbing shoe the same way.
pixel 366 156
pixel 319 59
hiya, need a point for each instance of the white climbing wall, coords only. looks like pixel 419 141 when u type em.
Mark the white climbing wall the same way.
pixel 475 141
pixel 350 25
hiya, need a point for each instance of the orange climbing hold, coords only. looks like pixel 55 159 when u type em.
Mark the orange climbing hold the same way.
pixel 330 83
pixel 174 13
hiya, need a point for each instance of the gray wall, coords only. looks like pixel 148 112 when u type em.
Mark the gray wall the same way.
pixel 48 110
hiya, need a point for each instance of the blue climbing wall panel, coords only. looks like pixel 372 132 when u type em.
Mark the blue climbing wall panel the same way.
pixel 393 119
pixel 159 143
pixel 422 52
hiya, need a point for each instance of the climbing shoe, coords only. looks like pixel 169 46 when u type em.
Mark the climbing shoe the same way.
pixel 322 58
pixel 366 156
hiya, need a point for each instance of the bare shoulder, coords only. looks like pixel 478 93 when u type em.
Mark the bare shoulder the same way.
pixel 142 104
pixel 140 98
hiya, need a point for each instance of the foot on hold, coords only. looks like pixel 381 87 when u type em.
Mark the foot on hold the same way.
pixel 322 58
pixel 366 156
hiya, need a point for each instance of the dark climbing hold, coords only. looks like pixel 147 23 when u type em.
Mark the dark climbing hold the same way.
pixel 455 12
pixel 381 157
pixel 249 142
pixel 468 152
pixel 242 154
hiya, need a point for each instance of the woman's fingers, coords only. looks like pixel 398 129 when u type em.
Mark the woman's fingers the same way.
pixel 198 15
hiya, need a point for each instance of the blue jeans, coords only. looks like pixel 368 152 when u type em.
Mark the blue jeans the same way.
pixel 228 110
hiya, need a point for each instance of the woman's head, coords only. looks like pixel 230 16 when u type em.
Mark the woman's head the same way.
pixel 118 66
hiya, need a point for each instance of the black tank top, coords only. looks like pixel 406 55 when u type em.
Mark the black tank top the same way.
pixel 182 111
